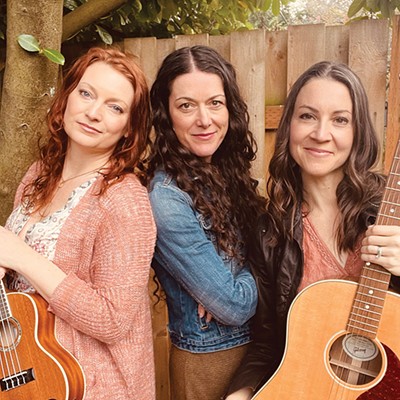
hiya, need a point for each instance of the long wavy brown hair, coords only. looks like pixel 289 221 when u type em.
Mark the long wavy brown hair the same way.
pixel 223 191
pixel 129 151
pixel 359 192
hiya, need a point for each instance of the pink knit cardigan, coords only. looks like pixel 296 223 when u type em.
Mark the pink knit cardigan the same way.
pixel 102 307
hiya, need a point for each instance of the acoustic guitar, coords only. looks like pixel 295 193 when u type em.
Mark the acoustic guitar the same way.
pixel 34 365
pixel 343 338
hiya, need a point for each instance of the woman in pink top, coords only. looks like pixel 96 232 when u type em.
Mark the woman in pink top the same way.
pixel 82 233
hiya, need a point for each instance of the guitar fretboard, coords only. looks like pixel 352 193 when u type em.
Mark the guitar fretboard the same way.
pixel 374 281
pixel 5 311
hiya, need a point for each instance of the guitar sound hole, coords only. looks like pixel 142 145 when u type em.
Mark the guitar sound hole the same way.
pixel 355 359
pixel 10 334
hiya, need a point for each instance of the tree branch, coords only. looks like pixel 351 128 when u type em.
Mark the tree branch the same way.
pixel 86 14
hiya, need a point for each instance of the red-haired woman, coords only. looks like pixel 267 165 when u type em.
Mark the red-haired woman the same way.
pixel 82 232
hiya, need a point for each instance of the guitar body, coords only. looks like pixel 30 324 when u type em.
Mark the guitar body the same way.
pixel 312 367
pixel 34 366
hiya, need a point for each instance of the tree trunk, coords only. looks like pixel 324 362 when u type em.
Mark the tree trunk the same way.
pixel 29 80
pixel 86 14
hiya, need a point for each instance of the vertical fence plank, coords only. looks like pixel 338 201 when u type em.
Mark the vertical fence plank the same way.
pixel 222 44
pixel 145 49
pixel 191 40
pixel 393 120
pixel 337 43
pixel 248 57
pixel 164 47
pixel 276 65
pixel 368 57
pixel 306 46
pixel 276 49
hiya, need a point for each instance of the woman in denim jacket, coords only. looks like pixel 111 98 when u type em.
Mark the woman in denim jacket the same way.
pixel 204 203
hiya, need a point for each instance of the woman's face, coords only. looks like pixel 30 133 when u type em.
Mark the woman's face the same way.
pixel 321 129
pixel 199 115
pixel 98 109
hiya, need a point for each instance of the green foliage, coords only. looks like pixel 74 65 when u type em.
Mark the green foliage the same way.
pixel 167 18
pixel 32 45
pixel 298 12
pixel 373 9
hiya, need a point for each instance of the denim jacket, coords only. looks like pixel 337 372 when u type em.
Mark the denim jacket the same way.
pixel 192 271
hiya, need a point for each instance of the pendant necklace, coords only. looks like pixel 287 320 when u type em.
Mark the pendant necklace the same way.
pixel 62 181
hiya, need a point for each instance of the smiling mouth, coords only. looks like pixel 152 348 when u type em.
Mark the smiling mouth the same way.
pixel 88 128
pixel 317 151
pixel 204 135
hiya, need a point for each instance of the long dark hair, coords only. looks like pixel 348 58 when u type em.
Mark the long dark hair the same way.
pixel 128 152
pixel 223 191
pixel 359 192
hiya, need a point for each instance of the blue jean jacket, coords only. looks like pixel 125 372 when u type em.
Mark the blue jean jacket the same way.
pixel 191 272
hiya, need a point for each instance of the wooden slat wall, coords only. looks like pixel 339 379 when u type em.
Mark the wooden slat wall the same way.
pixel 368 57
pixel 248 57
pixel 393 118
pixel 267 64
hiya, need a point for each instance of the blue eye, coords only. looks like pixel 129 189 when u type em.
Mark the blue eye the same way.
pixel 117 108
pixel 84 93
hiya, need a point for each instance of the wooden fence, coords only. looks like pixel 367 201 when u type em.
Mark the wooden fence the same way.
pixel 267 64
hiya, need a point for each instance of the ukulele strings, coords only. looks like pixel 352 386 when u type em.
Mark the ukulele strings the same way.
pixel 10 363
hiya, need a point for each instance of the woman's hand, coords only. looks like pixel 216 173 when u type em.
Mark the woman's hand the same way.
pixel 242 394
pixel 202 312
pixel 38 270
pixel 3 272
pixel 13 250
pixel 381 246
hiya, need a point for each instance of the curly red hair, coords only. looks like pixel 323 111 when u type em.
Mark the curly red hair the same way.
pixel 129 151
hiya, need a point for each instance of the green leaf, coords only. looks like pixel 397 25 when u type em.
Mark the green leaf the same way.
pixel 276 7
pixel 70 4
pixel 372 5
pixel 385 9
pixel 29 43
pixel 104 35
pixel 355 7
pixel 54 56
pixel 266 5
pixel 137 6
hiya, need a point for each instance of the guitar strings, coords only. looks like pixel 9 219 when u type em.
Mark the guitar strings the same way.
pixel 372 287
pixel 9 352
pixel 371 291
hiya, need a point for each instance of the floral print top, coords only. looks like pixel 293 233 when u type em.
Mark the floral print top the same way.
pixel 41 236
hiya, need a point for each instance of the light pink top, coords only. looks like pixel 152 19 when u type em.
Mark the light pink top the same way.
pixel 320 263
pixel 102 307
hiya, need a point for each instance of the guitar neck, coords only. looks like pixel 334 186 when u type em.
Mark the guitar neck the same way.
pixel 5 310
pixel 374 281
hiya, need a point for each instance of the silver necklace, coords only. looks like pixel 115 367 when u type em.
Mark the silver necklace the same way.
pixel 62 181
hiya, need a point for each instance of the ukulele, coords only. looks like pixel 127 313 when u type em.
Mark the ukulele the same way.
pixel 34 365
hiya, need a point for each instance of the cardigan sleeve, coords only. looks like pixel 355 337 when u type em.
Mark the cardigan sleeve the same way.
pixel 29 176
pixel 113 295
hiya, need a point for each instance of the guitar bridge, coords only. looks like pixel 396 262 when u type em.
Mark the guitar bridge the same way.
pixel 17 380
